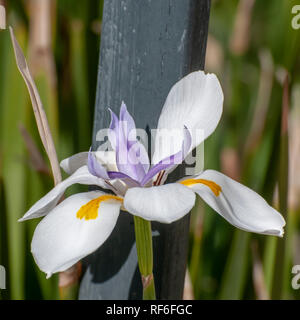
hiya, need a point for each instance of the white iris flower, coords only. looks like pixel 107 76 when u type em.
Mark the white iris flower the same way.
pixel 81 223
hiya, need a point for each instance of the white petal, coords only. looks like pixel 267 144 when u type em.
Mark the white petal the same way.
pixel 165 203
pixel 106 158
pixel 239 205
pixel 71 164
pixel 196 101
pixel 49 201
pixel 61 239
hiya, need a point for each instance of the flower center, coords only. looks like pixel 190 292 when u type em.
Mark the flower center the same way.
pixel 215 188
pixel 90 210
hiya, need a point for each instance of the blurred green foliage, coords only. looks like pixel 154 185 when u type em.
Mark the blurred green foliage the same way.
pixel 224 263
pixel 67 91
pixel 251 47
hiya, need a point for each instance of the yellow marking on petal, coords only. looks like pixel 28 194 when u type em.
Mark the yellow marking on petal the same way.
pixel 90 210
pixel 215 188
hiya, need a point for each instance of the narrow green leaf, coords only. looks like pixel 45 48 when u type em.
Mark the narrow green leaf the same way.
pixel 234 278
pixel 14 103
pixel 279 286
pixel 80 83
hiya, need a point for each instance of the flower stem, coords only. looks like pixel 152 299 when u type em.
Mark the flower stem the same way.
pixel 69 282
pixel 143 236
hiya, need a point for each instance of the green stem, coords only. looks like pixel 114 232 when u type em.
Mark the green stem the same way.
pixel 279 284
pixel 69 292
pixel 149 290
pixel 143 236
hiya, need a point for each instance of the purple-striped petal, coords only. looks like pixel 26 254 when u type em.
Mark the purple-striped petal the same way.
pixel 131 157
pixel 118 142
pixel 142 155
pixel 172 160
pixel 95 168
pixel 136 151
pixel 126 160
pixel 122 176
pixel 137 155
pixel 128 125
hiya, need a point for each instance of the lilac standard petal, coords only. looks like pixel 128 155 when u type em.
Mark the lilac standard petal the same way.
pixel 118 142
pixel 153 171
pixel 95 168
pixel 142 155
pixel 131 157
pixel 128 125
pixel 137 154
pixel 122 176
pixel 172 160
pixel 125 160
pixel 178 157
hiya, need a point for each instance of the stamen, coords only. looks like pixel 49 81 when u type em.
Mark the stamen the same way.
pixel 90 210
pixel 215 188
pixel 159 178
